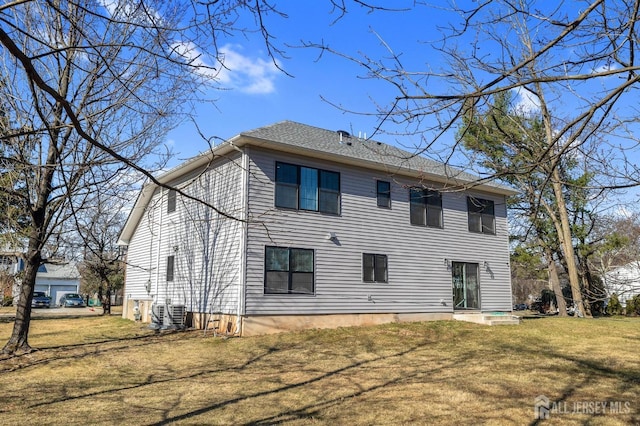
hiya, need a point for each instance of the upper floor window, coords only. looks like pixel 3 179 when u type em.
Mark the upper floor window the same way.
pixel 288 270
pixel 171 201
pixel 425 207
pixel 374 268
pixel 306 188
pixel 482 216
pixel 383 190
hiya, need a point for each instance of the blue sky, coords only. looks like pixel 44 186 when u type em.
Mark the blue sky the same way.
pixel 254 93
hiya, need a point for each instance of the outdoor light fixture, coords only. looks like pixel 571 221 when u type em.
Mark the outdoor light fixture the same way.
pixel 332 236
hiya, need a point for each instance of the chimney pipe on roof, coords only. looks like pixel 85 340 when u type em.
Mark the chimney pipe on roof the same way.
pixel 343 133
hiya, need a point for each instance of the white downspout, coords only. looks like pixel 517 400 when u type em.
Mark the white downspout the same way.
pixel 244 215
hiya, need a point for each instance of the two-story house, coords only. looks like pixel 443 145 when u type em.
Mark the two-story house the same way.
pixel 309 228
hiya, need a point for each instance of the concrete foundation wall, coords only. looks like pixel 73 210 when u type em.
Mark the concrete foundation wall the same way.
pixel 270 324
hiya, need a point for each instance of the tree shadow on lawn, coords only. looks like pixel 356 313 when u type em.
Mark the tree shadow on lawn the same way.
pixel 77 351
pixel 415 371
pixel 151 380
pixel 303 412
pixel 591 372
pixel 424 342
pixel 584 373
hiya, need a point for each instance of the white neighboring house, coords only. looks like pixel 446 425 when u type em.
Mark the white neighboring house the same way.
pixel 624 281
pixel 11 262
pixel 315 228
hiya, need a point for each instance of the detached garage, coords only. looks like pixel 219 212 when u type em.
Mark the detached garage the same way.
pixel 56 280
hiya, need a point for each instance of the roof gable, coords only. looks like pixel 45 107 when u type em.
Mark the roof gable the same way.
pixel 58 271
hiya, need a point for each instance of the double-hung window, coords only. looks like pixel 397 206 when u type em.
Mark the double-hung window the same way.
pixel 383 190
pixel 425 207
pixel 306 188
pixel 288 271
pixel 374 268
pixel 482 216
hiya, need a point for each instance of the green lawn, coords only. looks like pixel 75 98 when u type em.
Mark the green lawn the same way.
pixel 105 370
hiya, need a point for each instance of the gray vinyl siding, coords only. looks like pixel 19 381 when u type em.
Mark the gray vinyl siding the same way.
pixel 205 243
pixel 418 277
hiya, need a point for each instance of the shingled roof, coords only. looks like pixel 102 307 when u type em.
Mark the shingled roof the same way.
pixel 59 271
pixel 325 143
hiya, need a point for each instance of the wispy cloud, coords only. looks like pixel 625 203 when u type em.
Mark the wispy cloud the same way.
pixel 623 211
pixel 526 102
pixel 605 68
pixel 232 69
pixel 195 58
pixel 249 75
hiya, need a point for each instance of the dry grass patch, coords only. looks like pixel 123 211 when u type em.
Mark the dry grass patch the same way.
pixel 105 370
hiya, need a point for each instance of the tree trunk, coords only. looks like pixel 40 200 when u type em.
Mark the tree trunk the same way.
pixel 564 235
pixel 100 296
pixel 106 301
pixel 18 342
pixel 587 305
pixel 555 283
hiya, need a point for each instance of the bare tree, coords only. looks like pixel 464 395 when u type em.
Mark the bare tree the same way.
pixel 90 89
pixel 98 226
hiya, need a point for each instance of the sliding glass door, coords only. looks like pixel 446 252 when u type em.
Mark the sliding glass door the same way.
pixel 466 288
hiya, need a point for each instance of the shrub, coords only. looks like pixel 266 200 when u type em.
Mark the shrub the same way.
pixel 633 306
pixel 7 301
pixel 614 307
